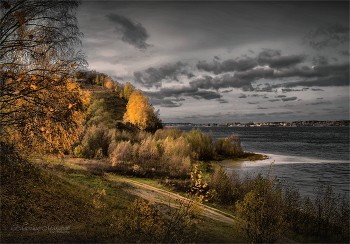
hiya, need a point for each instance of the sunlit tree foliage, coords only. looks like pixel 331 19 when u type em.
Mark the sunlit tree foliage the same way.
pixel 140 113
pixel 39 103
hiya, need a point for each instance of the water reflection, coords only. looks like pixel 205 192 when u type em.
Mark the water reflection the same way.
pixel 304 173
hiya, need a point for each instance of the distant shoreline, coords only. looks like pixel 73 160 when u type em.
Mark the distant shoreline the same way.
pixel 311 123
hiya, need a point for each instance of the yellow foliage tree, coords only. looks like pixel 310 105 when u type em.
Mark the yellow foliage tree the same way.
pixel 40 106
pixel 138 110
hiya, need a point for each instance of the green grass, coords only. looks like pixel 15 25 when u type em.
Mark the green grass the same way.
pixel 51 192
pixel 115 105
pixel 38 197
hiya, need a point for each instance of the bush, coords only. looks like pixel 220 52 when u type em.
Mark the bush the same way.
pixel 229 147
pixel 221 187
pixel 261 212
pixel 201 145
pixel 164 133
pixel 141 223
pixel 96 142
pixel 78 151
pixel 122 154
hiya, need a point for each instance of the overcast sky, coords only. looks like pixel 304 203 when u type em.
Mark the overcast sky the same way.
pixel 227 61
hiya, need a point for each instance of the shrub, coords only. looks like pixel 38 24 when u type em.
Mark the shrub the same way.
pixel 229 147
pixel 164 133
pixel 221 187
pixel 261 212
pixel 97 138
pixel 200 144
pixel 122 154
pixel 176 156
pixel 141 223
pixel 78 151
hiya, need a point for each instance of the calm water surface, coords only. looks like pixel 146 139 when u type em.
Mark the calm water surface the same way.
pixel 302 156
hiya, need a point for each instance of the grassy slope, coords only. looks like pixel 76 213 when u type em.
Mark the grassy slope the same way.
pixel 54 193
pixel 115 105
pixel 59 194
pixel 49 195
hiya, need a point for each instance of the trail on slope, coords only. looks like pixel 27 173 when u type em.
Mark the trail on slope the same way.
pixel 157 195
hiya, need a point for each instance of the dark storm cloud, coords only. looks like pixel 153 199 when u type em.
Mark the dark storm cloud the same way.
pixel 170 103
pixel 222 100
pixel 344 53
pixel 177 92
pixel 274 59
pixel 289 98
pixel 154 76
pixel 291 90
pixel 230 65
pixel 318 103
pixel 328 75
pixel 320 60
pixel 253 102
pixel 132 33
pixel 225 81
pixel 331 35
pixel 280 67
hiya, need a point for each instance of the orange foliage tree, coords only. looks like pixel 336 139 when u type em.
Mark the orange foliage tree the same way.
pixel 40 106
pixel 140 113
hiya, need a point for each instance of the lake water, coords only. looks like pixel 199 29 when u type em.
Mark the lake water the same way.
pixel 302 156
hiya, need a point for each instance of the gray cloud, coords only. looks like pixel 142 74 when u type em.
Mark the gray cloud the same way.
pixel 274 59
pixel 270 57
pixel 159 97
pixel 289 98
pixel 344 53
pixel 331 35
pixel 222 100
pixel 318 103
pixel 169 103
pixel 320 60
pixel 242 96
pixel 274 100
pixel 132 33
pixel 225 81
pixel 154 76
pixel 230 65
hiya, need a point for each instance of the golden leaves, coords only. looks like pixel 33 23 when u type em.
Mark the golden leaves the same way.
pixel 71 105
pixel 20 16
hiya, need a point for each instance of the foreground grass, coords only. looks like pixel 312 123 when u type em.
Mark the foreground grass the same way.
pixel 54 201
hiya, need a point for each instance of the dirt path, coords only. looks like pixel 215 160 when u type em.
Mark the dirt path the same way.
pixel 157 195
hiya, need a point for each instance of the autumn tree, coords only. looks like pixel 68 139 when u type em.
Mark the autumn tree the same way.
pixel 140 113
pixel 40 106
pixel 128 89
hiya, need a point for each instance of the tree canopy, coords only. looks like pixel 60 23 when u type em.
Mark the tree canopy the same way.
pixel 39 103
pixel 140 113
